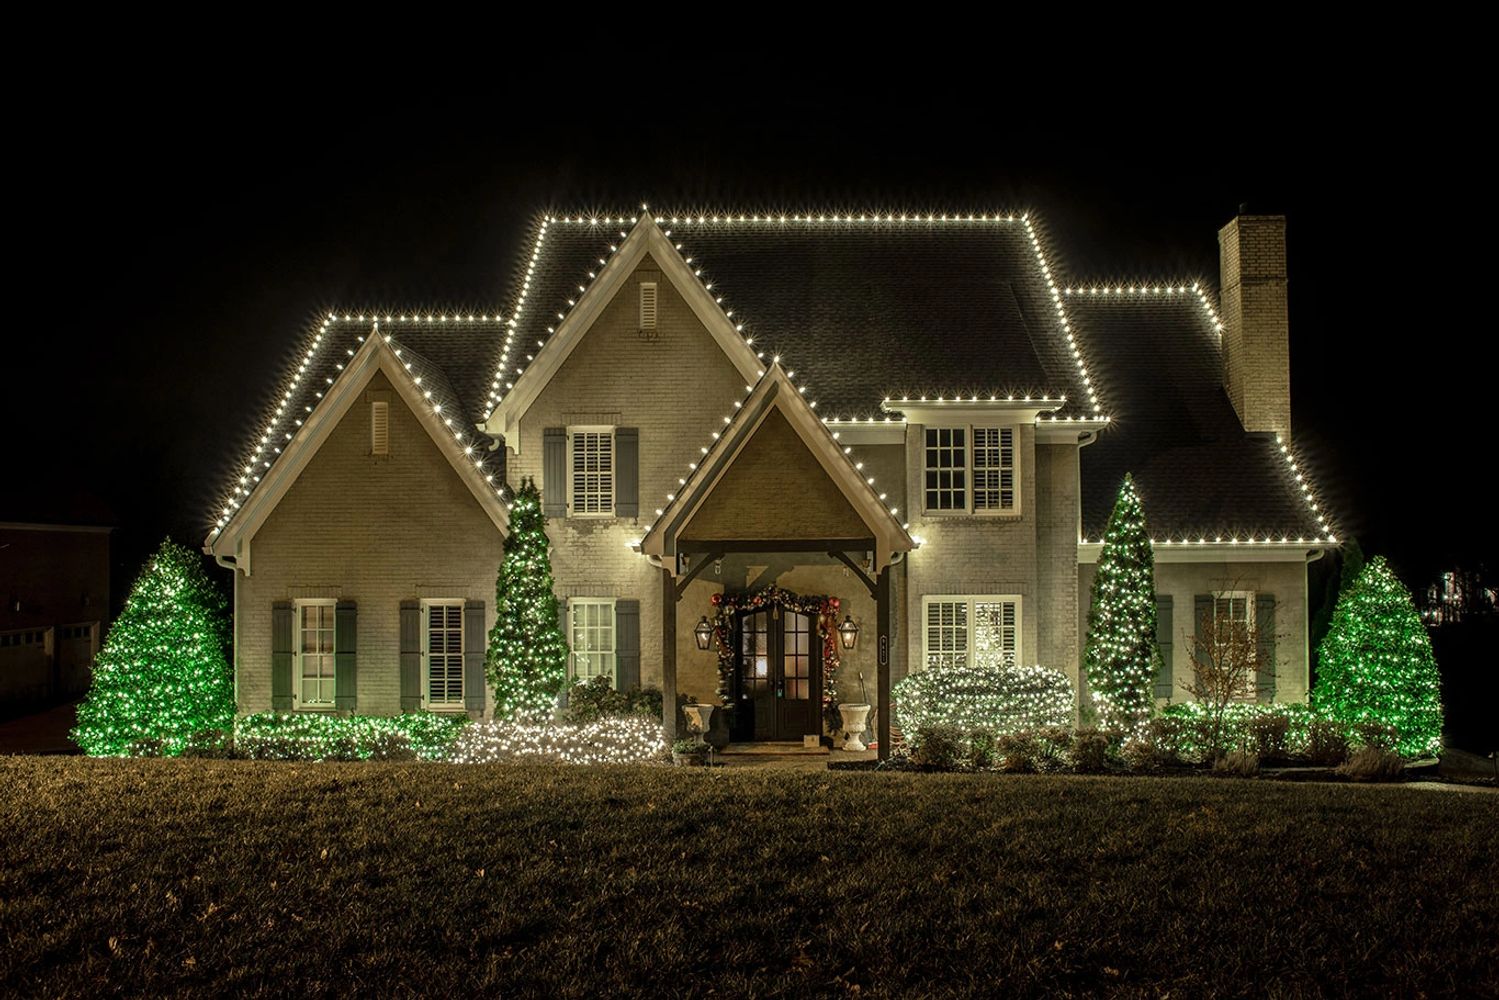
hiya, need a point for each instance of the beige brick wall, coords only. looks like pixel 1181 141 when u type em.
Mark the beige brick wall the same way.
pixel 977 554
pixel 1057 529
pixel 1256 327
pixel 373 530
pixel 1285 581
pixel 675 387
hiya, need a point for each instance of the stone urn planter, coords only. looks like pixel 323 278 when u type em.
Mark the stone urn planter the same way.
pixel 855 715
pixel 699 717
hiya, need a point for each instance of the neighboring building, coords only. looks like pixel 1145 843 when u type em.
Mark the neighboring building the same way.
pixel 916 415
pixel 54 580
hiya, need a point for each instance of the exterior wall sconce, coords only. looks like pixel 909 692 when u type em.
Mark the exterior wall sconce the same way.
pixel 849 632
pixel 702 632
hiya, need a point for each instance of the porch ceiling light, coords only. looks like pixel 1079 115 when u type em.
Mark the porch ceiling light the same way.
pixel 703 632
pixel 848 632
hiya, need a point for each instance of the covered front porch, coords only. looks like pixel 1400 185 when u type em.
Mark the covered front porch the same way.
pixel 775 544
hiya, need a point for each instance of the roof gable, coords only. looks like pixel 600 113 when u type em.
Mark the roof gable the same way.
pixel 644 240
pixel 424 389
pixel 774 396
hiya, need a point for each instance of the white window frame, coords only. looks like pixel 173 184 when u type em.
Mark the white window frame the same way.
pixel 970 470
pixel 606 510
pixel 1249 689
pixel 448 705
pixel 297 701
pixel 972 602
pixel 609 662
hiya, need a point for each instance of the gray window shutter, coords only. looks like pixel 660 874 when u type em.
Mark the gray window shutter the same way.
pixel 626 644
pixel 554 472
pixel 281 655
pixel 1163 634
pixel 1202 617
pixel 345 642
pixel 411 656
pixel 626 472
pixel 474 642
pixel 1264 621
pixel 567 638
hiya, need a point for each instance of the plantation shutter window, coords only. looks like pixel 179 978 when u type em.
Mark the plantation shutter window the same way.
pixel 962 631
pixel 993 468
pixel 647 305
pixel 443 654
pixel 591 471
pixel 316 681
pixel 591 635
pixel 380 427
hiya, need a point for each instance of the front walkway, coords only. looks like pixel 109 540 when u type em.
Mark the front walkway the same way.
pixel 785 757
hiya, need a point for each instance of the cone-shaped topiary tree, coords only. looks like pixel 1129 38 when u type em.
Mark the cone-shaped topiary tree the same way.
pixel 1376 663
pixel 163 673
pixel 1120 658
pixel 527 658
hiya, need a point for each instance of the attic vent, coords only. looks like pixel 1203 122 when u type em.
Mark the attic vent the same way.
pixel 379 428
pixel 647 305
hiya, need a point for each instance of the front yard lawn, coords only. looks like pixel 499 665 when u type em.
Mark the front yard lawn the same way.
pixel 172 877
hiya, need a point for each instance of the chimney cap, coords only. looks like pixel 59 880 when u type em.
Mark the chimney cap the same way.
pixel 1243 208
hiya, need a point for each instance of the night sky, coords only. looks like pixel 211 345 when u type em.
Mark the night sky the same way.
pixel 173 259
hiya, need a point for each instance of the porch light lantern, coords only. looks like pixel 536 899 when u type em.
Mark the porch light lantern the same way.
pixel 849 632
pixel 703 632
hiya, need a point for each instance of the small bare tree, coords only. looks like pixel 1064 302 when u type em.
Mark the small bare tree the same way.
pixel 1228 657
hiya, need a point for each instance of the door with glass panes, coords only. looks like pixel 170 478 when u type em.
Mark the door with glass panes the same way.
pixel 778 682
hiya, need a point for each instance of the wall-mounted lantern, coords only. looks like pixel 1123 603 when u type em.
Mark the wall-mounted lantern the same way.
pixel 849 631
pixel 703 632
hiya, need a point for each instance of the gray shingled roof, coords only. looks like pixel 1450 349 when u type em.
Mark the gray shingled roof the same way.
pixel 1174 429
pixel 860 311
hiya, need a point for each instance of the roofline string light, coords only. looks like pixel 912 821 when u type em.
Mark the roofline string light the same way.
pixel 255 469
pixel 1140 291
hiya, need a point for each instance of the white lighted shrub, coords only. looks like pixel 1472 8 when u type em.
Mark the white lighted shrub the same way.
pixel 611 740
pixel 1002 699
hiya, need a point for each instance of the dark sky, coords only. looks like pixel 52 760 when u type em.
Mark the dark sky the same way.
pixel 172 257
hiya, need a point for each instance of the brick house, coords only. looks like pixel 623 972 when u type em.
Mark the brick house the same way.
pixel 915 415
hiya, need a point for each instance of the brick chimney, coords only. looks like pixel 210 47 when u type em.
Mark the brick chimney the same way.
pixel 1256 332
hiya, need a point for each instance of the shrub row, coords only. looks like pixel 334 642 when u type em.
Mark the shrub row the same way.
pixel 313 736
pixel 613 740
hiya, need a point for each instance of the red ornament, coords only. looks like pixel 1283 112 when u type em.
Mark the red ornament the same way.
pixel 715 599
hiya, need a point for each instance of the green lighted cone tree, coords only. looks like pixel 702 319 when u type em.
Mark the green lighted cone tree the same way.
pixel 527 658
pixel 1121 653
pixel 1376 664
pixel 163 673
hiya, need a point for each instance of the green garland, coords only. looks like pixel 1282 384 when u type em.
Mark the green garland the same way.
pixel 726 606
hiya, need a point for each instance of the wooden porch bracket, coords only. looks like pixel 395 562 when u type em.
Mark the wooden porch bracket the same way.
pixel 693 573
pixel 842 557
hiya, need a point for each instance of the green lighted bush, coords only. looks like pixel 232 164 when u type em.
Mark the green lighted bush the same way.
pixel 311 736
pixel 1002 700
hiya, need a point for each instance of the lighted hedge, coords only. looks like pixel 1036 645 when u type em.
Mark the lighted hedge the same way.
pixel 611 740
pixel 313 736
pixel 1002 700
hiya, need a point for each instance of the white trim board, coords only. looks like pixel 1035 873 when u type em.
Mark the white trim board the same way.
pixel 376 354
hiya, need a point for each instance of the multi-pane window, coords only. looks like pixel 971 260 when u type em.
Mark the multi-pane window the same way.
pixel 993 468
pixel 444 654
pixel 970 469
pixel 591 636
pixel 315 674
pixel 1234 638
pixel 961 631
pixel 946 468
pixel 592 480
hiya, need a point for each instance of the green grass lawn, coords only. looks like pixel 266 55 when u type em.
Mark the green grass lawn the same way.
pixel 162 877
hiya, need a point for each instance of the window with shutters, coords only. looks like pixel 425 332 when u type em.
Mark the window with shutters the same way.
pixel 1234 635
pixel 970 630
pixel 647 305
pixel 591 634
pixel 315 682
pixel 380 427
pixel 970 470
pixel 442 654
pixel 591 471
